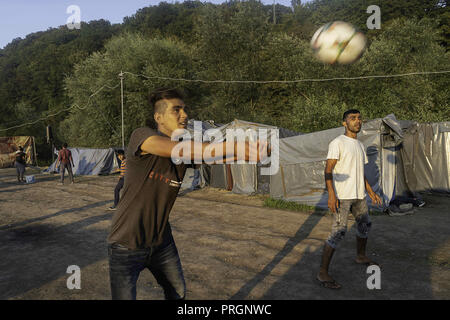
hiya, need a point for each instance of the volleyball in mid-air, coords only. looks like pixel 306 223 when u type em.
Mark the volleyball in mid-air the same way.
pixel 338 42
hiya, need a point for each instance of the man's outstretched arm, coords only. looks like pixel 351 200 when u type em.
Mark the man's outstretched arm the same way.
pixel 163 146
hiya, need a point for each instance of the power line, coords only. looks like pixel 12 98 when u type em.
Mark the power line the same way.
pixel 67 109
pixel 289 81
pixel 223 81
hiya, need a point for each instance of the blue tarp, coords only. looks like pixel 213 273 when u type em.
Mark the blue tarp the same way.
pixel 90 161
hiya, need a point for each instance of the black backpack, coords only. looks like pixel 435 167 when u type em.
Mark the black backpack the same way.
pixel 20 158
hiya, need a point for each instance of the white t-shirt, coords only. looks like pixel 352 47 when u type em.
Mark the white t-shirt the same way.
pixel 348 174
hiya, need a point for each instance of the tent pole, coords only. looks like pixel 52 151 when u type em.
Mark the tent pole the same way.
pixel 381 169
pixel 229 177
pixel 282 182
pixel 35 154
pixel 53 151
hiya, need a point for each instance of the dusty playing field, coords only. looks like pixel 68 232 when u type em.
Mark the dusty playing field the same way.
pixel 231 247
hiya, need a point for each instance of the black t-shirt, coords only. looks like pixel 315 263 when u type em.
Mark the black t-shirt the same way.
pixel 20 157
pixel 151 185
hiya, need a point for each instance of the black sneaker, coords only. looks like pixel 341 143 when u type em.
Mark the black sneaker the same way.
pixel 418 202
pixel 112 208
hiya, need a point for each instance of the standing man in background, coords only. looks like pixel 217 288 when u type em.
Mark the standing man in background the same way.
pixel 66 160
pixel 347 186
pixel 196 181
pixel 119 186
pixel 20 164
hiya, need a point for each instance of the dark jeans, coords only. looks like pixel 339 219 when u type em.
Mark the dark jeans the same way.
pixel 20 171
pixel 62 170
pixel 163 262
pixel 196 181
pixel 119 186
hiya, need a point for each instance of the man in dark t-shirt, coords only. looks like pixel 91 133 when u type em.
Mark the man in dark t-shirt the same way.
pixel 20 164
pixel 140 235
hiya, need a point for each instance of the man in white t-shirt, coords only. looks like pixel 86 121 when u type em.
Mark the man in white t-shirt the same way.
pixel 347 186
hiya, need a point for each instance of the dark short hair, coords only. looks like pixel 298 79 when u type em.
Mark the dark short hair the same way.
pixel 21 148
pixel 65 145
pixel 121 152
pixel 346 113
pixel 164 93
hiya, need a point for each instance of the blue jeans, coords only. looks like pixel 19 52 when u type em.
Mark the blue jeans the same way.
pixel 119 186
pixel 359 209
pixel 196 181
pixel 20 171
pixel 163 261
pixel 62 170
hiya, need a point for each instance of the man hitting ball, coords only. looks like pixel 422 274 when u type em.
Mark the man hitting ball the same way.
pixel 140 235
pixel 347 186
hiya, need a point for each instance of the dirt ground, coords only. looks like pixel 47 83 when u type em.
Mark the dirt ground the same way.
pixel 231 247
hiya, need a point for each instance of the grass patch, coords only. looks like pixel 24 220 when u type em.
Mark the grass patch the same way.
pixel 291 206
pixel 294 206
pixel 438 262
pixel 377 213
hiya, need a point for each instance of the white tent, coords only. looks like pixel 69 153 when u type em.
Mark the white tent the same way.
pixel 425 157
pixel 388 142
pixel 89 161
pixel 243 178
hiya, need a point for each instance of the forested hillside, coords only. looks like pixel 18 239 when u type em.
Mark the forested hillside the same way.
pixel 51 71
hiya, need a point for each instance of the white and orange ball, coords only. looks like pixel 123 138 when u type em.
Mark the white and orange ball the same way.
pixel 338 42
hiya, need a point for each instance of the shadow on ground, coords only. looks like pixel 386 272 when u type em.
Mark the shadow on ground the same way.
pixel 404 246
pixel 34 266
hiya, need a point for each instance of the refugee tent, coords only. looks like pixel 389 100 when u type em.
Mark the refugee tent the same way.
pixel 9 146
pixel 425 157
pixel 90 161
pixel 205 170
pixel 243 178
pixel 397 152
pixel 205 125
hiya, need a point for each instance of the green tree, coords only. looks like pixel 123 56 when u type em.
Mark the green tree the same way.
pixel 406 46
pixel 229 41
pixel 32 72
pixel 46 72
pixel 97 122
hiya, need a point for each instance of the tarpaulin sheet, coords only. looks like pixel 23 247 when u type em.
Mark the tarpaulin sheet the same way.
pixel 9 146
pixel 425 155
pixel 90 161
pixel 303 158
pixel 246 177
pixel 404 156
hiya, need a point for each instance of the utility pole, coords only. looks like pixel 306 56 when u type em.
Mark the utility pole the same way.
pixel 274 18
pixel 121 94
pixel 49 135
